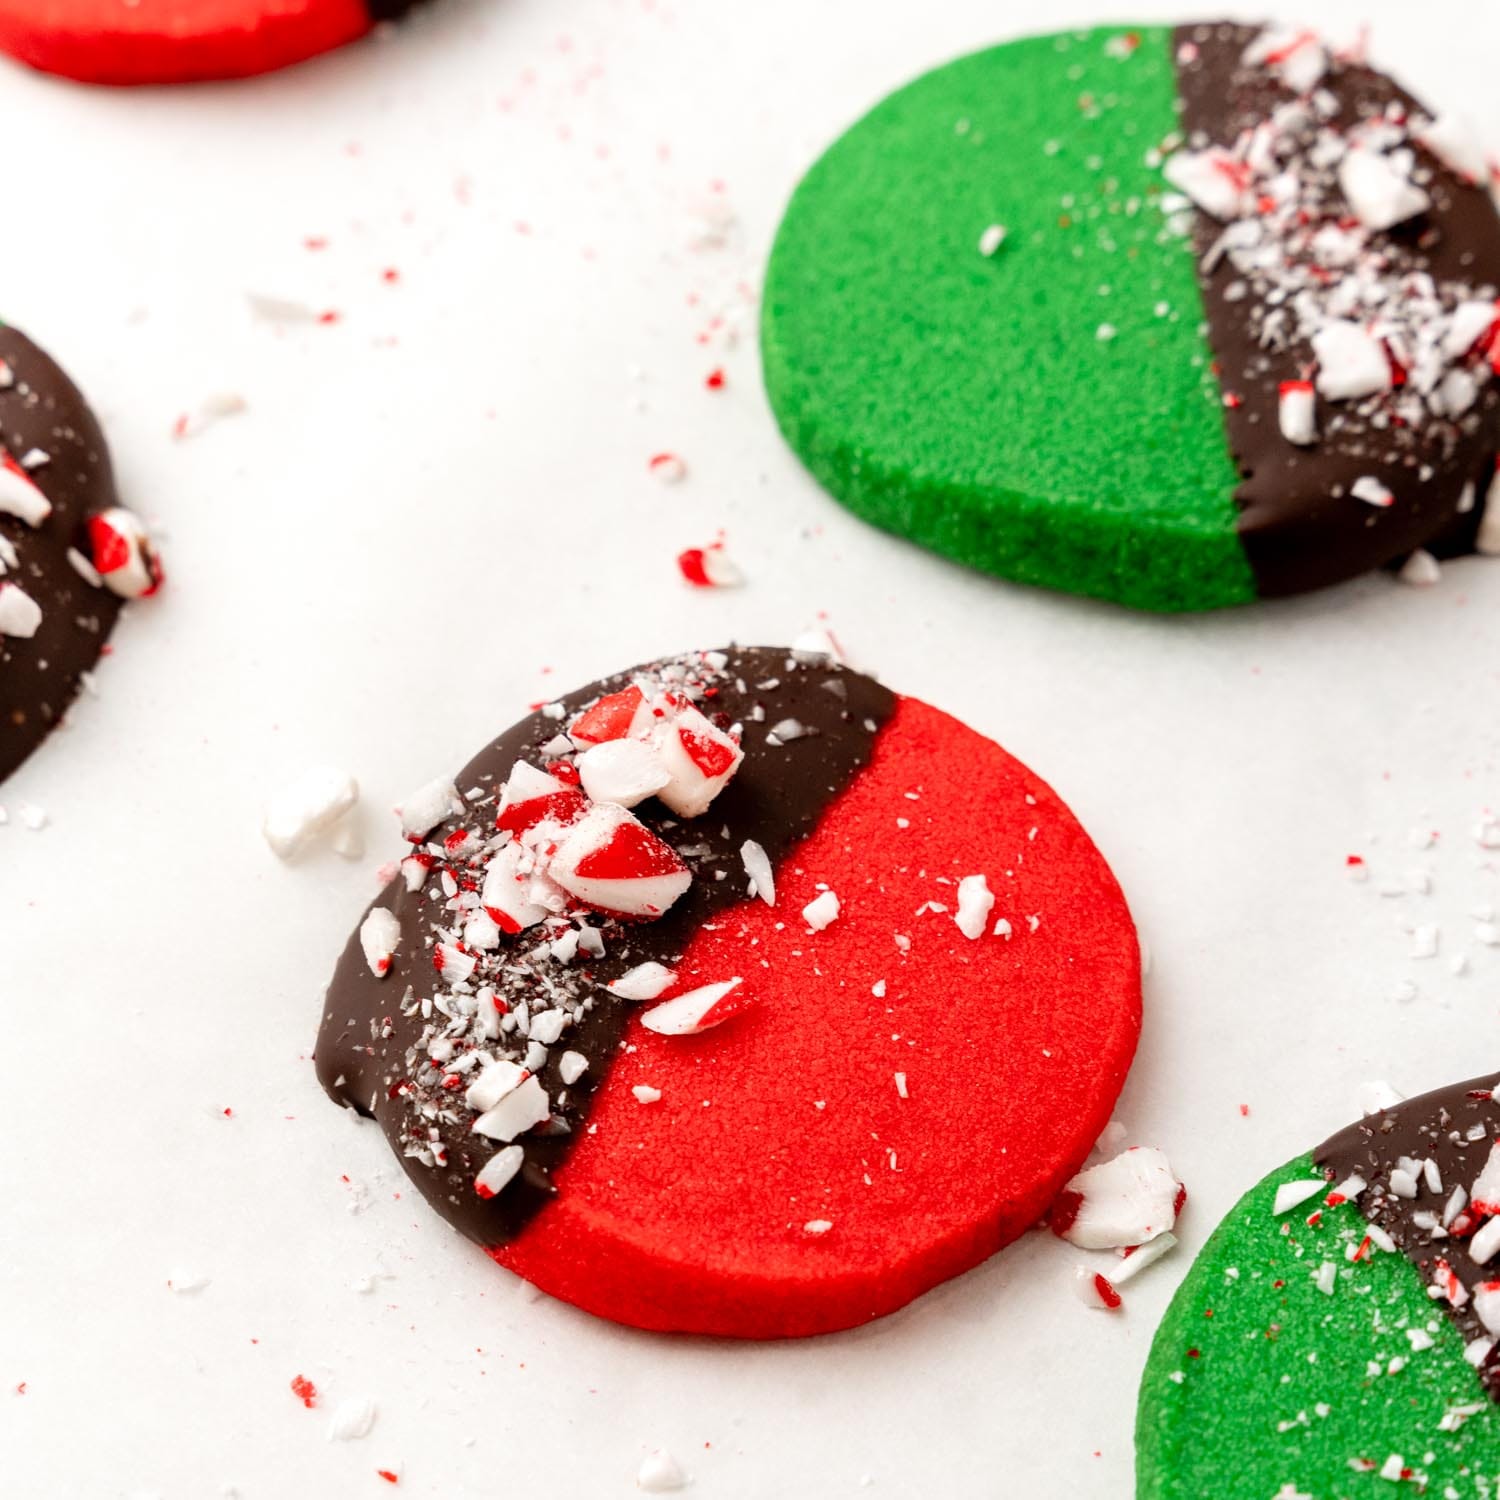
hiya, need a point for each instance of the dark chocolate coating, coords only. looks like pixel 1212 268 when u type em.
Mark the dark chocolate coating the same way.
pixel 39 677
pixel 1298 524
pixel 1432 1125
pixel 388 10
pixel 776 798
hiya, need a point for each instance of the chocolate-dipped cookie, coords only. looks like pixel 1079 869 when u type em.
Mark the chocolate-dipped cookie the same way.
pixel 1177 317
pixel 738 995
pixel 1338 1333
pixel 69 552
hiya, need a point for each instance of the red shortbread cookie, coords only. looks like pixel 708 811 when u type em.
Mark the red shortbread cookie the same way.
pixel 180 41
pixel 912 1062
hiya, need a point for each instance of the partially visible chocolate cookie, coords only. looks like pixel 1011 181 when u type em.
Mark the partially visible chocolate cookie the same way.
pixel 69 552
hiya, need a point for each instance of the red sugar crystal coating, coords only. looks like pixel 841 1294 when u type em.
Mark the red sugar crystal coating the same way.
pixel 692 1216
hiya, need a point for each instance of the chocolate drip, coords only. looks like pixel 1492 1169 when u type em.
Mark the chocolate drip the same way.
pixel 1299 525
pixel 43 409
pixel 776 798
pixel 1434 1127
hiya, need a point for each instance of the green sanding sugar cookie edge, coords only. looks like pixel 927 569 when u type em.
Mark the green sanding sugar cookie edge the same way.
pixel 1261 1386
pixel 1047 413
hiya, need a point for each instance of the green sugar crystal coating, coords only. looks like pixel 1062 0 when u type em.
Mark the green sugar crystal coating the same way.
pixel 968 402
pixel 1281 1392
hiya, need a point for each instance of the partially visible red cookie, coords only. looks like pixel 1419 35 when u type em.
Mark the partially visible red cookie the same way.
pixel 180 41
pixel 914 1059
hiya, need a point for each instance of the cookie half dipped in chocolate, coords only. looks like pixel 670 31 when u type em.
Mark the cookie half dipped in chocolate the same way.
pixel 738 994
pixel 181 41
pixel 70 553
pixel 1338 1334
pixel 1174 316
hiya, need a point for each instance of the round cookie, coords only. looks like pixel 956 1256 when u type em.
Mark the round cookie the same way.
pixel 1337 1334
pixel 180 41
pixel 1176 317
pixel 69 552
pixel 907 1074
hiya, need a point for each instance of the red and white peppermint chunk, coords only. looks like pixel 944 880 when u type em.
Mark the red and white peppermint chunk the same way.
pixel 1126 1201
pixel 709 568
pixel 1297 412
pixel 698 1010
pixel 699 759
pixel 510 891
pixel 496 1080
pixel 122 554
pixel 496 1174
pixel 1298 58
pixel 1484 1196
pixel 531 796
pixel 378 935
pixel 624 772
pixel 1214 179
pixel 20 614
pixel 1096 1290
pixel 1352 362
pixel 1373 492
pixel 19 495
pixel 612 862
pixel 519 1110
pixel 617 716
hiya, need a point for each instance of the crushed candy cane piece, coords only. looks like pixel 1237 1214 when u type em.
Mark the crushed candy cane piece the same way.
pixel 524 1107
pixel 1453 141
pixel 709 567
pixel 1369 489
pixel 1421 570
pixel 20 614
pixel 306 808
pixel 122 554
pixel 700 760
pixel 351 1420
pixel 1351 362
pixel 696 1010
pixel 660 1473
pixel 378 936
pixel 1484 1193
pixel 646 1094
pixel 1096 1291
pixel 1127 1200
pixel 1146 1255
pixel 624 772
pixel 1290 1194
pixel 643 982
pixel 1378 191
pixel 975 900
pixel 822 911
pixel 611 861
pixel 19 494
pixel 1298 412
pixel 758 867
pixel 428 806
pixel 496 1174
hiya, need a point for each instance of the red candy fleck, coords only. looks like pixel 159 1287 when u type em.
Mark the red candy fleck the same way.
pixel 692 566
pixel 715 381
pixel 1061 1216
pixel 609 718
pixel 305 1391
pixel 1107 1293
pixel 389 1475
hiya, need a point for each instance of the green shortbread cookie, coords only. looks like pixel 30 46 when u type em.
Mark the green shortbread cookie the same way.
pixel 996 321
pixel 1341 1350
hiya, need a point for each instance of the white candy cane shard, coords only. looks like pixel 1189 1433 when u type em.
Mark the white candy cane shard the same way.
pixel 523 1107
pixel 821 911
pixel 758 867
pixel 1369 489
pixel 974 903
pixel 306 808
pixel 1290 1194
pixel 378 935
pixel 646 1094
pixel 19 495
pixel 496 1174
pixel 1351 362
pixel 121 552
pixel 1484 1195
pixel 1125 1201
pixel 20 614
pixel 1213 179
pixel 660 1473
pixel 1451 139
pixel 1485 1242
pixel 1297 58
pixel 1487 542
pixel 1138 1260
pixel 1325 1278
pixel 991 240
pixel 700 760
pixel 1421 570
pixel 643 982
pixel 612 862
pixel 1297 412
pixel 428 806
pixel 1469 323
pixel 624 772
pixel 698 1010
pixel 507 892
pixel 1378 191
pixel 351 1420
pixel 571 1066
pixel 496 1080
